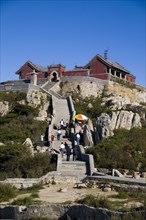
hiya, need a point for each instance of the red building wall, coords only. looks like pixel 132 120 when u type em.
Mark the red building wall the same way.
pixel 130 79
pixel 74 73
pixel 59 70
pixel 97 69
pixel 25 69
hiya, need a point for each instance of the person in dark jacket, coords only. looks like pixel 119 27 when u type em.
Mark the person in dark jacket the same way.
pixel 75 152
pixel 68 151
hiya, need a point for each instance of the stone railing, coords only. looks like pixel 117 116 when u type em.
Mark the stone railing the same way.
pixel 20 183
pixel 121 180
pixel 50 128
pixel 71 107
pixel 88 158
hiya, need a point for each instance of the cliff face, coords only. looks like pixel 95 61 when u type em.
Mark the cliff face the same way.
pixel 133 96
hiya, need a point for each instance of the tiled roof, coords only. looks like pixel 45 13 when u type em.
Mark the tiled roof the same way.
pixel 79 69
pixel 113 64
pixel 109 63
pixel 56 65
pixel 38 67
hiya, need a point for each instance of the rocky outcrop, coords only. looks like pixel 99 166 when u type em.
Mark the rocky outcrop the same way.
pixel 62 211
pixel 134 94
pixel 116 102
pixel 4 108
pixel 107 123
pixel 39 99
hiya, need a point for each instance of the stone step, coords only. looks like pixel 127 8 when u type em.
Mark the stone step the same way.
pixel 72 168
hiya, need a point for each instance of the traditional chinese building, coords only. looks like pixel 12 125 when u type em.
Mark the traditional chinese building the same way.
pixel 98 67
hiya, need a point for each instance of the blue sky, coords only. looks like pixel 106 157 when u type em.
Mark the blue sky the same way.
pixel 72 33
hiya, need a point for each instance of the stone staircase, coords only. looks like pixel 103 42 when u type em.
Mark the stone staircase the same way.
pixel 60 106
pixel 61 111
pixel 48 85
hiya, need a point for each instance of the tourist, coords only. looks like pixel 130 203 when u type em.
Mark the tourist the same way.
pixel 62 124
pixel 67 123
pixel 75 152
pixel 78 138
pixel 52 137
pixel 58 134
pixel 68 151
pixel 62 149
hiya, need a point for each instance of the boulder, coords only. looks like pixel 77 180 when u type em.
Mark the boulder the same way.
pixel 29 145
pixel 87 136
pixel 4 108
pixel 42 115
pixel 39 99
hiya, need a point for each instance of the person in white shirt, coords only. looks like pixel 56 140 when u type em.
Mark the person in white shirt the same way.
pixel 62 124
pixel 78 139
pixel 62 149
pixel 58 134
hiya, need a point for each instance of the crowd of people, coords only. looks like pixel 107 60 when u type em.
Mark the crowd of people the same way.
pixel 64 147
pixel 68 150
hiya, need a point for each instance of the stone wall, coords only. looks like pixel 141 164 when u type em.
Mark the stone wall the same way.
pixel 86 86
pixel 20 183
pixel 14 88
pixel 62 212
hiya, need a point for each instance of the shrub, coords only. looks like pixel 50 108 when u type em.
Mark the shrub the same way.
pixel 18 128
pixel 81 106
pixel 15 161
pixel 7 192
pixel 12 97
pixel 25 110
pixel 25 201
pixel 34 189
pixel 96 202
pixel 35 195
pixel 128 146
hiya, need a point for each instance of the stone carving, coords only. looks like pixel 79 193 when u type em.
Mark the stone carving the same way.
pixel 107 123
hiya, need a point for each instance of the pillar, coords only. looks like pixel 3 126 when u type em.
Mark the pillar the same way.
pixel 34 78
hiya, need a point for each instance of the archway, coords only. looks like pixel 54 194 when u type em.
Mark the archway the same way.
pixel 54 76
